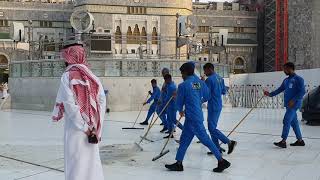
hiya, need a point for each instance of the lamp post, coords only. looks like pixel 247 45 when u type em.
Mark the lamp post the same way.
pixel 30 34
pixel 177 35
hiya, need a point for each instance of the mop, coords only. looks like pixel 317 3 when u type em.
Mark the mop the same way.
pixel 137 117
pixel 144 137
pixel 163 151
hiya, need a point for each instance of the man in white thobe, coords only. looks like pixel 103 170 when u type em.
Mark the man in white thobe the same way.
pixel 81 101
pixel 4 90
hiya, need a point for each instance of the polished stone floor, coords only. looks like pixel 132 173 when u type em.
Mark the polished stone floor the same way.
pixel 31 148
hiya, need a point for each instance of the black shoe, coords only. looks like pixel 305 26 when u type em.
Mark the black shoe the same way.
pixel 231 146
pixel 161 124
pixel 281 144
pixel 168 132
pixel 166 137
pixel 175 167
pixel 224 164
pixel 298 143
pixel 144 123
pixel 163 130
pixel 221 151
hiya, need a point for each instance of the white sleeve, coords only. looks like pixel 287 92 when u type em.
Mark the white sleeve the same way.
pixel 72 110
pixel 103 103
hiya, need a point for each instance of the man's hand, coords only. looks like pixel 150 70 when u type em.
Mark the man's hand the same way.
pixel 174 94
pixel 145 103
pixel 291 103
pixel 88 132
pixel 150 92
pixel 266 93
pixel 181 114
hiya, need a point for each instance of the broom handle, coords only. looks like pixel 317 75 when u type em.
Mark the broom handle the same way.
pixel 140 112
pixel 165 145
pixel 245 116
pixel 152 123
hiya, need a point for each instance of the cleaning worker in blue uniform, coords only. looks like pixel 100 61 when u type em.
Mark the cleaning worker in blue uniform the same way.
pixel 171 91
pixel 161 104
pixel 155 95
pixel 294 90
pixel 190 96
pixel 217 88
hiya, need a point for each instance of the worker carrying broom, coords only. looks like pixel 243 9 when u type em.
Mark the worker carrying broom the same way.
pixel 191 93
pixel 154 98
pixel 294 90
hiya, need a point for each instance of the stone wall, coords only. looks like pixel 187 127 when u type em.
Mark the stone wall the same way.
pixel 315 33
pixel 125 94
pixel 304 28
pixel 300 33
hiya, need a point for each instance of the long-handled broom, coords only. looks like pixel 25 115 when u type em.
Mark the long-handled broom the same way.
pixel 249 112
pixel 163 151
pixel 144 137
pixel 135 122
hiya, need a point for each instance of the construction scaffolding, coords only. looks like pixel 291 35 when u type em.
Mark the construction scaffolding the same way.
pixel 276 34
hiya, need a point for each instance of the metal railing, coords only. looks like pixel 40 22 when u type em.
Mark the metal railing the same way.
pixel 247 96
pixel 108 68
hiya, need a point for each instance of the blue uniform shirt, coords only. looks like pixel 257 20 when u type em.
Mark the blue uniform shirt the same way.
pixel 191 93
pixel 293 87
pixel 171 88
pixel 217 88
pixel 155 95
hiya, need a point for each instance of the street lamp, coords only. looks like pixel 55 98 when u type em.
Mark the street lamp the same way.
pixel 30 34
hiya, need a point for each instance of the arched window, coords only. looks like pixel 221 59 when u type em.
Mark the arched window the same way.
pixel 239 65
pixel 118 35
pixel 3 60
pixel 154 36
pixel 136 34
pixel 129 35
pixel 143 35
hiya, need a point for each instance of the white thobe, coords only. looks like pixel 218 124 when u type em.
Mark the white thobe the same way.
pixel 81 159
pixel 4 90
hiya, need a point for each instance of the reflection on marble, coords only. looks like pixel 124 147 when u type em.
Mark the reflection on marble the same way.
pixel 255 158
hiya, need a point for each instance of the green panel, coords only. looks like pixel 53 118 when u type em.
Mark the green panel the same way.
pixel 4 35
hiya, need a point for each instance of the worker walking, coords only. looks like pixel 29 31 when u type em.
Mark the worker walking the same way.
pixel 217 88
pixel 155 95
pixel 191 93
pixel 294 90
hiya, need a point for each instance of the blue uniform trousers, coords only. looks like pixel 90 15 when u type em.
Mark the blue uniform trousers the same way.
pixel 151 110
pixel 216 134
pixel 291 120
pixel 197 129
pixel 163 116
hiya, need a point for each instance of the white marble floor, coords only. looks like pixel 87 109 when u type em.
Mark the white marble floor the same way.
pixel 31 137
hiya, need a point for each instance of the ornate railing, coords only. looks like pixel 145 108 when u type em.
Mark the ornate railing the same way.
pixel 107 68
pixel 247 96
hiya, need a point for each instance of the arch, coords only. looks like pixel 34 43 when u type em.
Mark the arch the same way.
pixel 154 35
pixel 118 35
pixel 4 59
pixel 144 35
pixel 136 34
pixel 4 64
pixel 129 35
pixel 239 65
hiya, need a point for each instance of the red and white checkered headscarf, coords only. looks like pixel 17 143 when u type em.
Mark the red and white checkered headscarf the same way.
pixel 84 86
